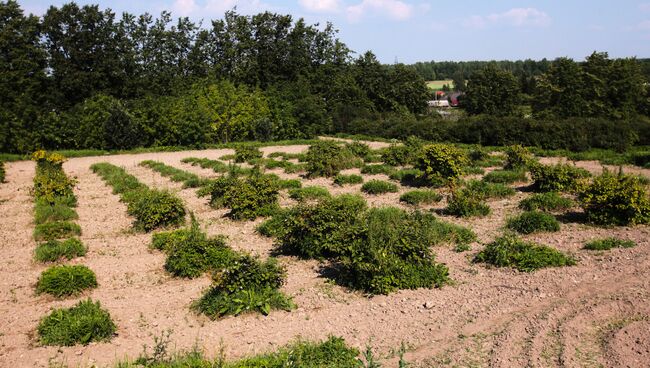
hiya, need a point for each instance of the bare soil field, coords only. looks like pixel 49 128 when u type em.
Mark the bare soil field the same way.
pixel 596 313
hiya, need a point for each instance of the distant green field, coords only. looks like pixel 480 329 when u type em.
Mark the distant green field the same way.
pixel 437 84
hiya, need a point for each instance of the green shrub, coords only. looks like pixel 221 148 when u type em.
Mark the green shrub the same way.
pixel 505 176
pixel 397 155
pixel 532 222
pixel 56 230
pixel 557 178
pixel 188 179
pixel 246 285
pixel 377 169
pixel 441 161
pixel 358 149
pixel 415 178
pixel 82 324
pixel 465 203
pixel 510 251
pixel 245 153
pixel 275 225
pixel 216 165
pixel 417 197
pixel 307 193
pixel 327 158
pixel 517 158
pixel 54 250
pixel 117 178
pixel 227 157
pixel 615 200
pixel 379 187
pixel 487 190
pixel 255 196
pixel 59 210
pixel 478 154
pixel 62 281
pixel 342 179
pixel 609 243
pixel 51 183
pixel 155 208
pixel 548 201
pixel 289 183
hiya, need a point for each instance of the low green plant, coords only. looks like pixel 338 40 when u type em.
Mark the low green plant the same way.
pixel 255 196
pixel 377 169
pixel 533 221
pixel 342 179
pixel 510 251
pixel 418 197
pixel 548 201
pixel 62 281
pixel 228 157
pixel 54 250
pixel 58 210
pixel 416 178
pixel 275 225
pixel 518 158
pixel 327 158
pixel 50 182
pixel 487 190
pixel 188 179
pixel 473 170
pixel 557 178
pixel 358 149
pixel 441 161
pixel 465 203
pixel 308 193
pixel 156 208
pixel 245 153
pixel 609 243
pixel 117 178
pixel 506 176
pixel 615 200
pixel 397 155
pixel 216 165
pixel 289 183
pixel 56 230
pixel 82 324
pixel 379 187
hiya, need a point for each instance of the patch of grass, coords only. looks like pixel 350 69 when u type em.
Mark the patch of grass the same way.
pixel 188 179
pixel 415 178
pixel 510 251
pixel 82 324
pixel 228 157
pixel 418 197
pixel 548 201
pixel 473 170
pixel 506 176
pixel 465 203
pixel 377 169
pixel 342 179
pixel 289 183
pixel 56 230
pixel 532 222
pixel 487 190
pixel 54 250
pixel 609 243
pixel 379 187
pixel 62 281
pixel 308 193
pixel 216 165
pixel 59 210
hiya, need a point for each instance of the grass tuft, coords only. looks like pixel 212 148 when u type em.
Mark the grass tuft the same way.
pixel 379 187
pixel 62 281
pixel 54 250
pixel 56 230
pixel 510 251
pixel 533 222
pixel 609 243
pixel 82 324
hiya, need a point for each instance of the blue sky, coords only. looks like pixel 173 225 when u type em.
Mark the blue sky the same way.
pixel 416 30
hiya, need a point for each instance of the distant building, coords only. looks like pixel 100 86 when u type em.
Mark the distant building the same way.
pixel 438 103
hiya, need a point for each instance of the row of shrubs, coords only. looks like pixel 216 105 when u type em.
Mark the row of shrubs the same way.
pixel 151 208
pixel 188 179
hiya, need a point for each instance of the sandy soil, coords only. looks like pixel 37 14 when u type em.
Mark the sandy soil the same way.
pixel 592 314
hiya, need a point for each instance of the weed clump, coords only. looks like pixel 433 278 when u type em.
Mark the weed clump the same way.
pixel 245 153
pixel 57 210
pixel 247 198
pixel 557 178
pixel 309 193
pixel 487 190
pixel 377 169
pixel 609 243
pixel 62 281
pixel 510 251
pixel 532 222
pixel 465 203
pixel 441 161
pixel 342 179
pixel 548 201
pixel 505 176
pixel 54 250
pixel 82 324
pixel 327 158
pixel 56 230
pixel 379 187
pixel 418 197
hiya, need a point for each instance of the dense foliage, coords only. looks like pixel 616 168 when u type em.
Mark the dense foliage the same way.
pixel 441 161
pixel 547 201
pixel 248 198
pixel 557 178
pixel 81 324
pixel 510 251
pixel 533 221
pixel 62 281
pixel 54 250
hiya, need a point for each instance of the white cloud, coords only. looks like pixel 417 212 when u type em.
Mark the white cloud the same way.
pixel 516 17
pixel 320 6
pixel 393 9
pixel 216 8
pixel 184 7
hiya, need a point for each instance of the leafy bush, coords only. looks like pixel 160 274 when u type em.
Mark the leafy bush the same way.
pixel 62 281
pixel 402 154
pixel 510 251
pixel 253 197
pixel 216 165
pixel 245 153
pixel 417 197
pixel 533 221
pixel 274 226
pixel 548 201
pixel 379 187
pixel 487 190
pixel 51 183
pixel 377 169
pixel 609 243
pixel 58 210
pixel 155 208
pixel 358 149
pixel 56 230
pixel 54 250
pixel 327 158
pixel 517 158
pixel 289 183
pixel 557 178
pixel 188 179
pixel 82 324
pixel 342 179
pixel 247 285
pixel 415 178
pixel 465 203
pixel 311 192
pixel 615 200
pixel 505 176
pixel 441 161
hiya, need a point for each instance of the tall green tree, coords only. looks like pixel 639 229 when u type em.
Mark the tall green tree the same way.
pixel 492 91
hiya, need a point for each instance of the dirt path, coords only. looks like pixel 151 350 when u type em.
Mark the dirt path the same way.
pixel 593 313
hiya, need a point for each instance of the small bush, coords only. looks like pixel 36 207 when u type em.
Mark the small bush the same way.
pixel 441 161
pixel 62 281
pixel 54 250
pixel 358 149
pixel 253 197
pixel 82 324
pixel 487 190
pixel 274 226
pixel 510 251
pixel 532 222
pixel 609 243
pixel 307 193
pixel 415 178
pixel 517 158
pixel 327 158
pixel 342 179
pixel 417 197
pixel 615 200
pixel 557 178
pixel 56 230
pixel 397 155
pixel 155 208
pixel 289 183
pixel 377 169
pixel 465 203
pixel 59 210
pixel 506 176
pixel 379 187
pixel 549 201
pixel 247 153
